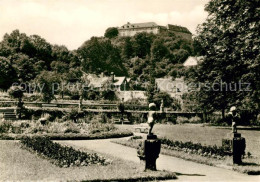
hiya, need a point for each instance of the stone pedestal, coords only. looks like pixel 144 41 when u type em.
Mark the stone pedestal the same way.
pixel 239 146
pixel 152 148
pixel 235 144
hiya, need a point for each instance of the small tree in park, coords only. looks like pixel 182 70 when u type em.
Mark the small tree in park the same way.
pixel 17 93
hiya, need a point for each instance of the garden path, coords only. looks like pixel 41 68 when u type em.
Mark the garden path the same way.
pixel 186 170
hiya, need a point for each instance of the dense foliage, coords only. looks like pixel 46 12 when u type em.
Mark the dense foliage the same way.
pixel 7 73
pixel 23 58
pixel 62 156
pixel 229 40
pixel 31 59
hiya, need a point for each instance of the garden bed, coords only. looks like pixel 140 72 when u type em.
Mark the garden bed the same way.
pixel 62 156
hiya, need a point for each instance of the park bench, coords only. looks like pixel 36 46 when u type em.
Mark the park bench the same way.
pixel 49 105
pixel 142 128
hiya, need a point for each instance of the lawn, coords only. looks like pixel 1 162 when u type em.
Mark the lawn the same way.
pixel 206 135
pixel 17 164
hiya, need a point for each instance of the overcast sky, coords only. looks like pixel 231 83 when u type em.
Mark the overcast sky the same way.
pixel 71 22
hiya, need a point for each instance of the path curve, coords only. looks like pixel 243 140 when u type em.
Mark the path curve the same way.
pixel 186 170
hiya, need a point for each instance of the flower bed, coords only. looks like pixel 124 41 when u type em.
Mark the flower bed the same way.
pixel 70 136
pixel 62 156
pixel 197 148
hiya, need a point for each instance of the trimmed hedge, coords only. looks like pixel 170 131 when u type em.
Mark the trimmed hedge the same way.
pixel 194 147
pixel 70 136
pixel 62 156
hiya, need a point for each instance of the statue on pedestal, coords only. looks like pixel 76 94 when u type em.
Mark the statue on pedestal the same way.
pixel 162 106
pixel 234 114
pixel 151 121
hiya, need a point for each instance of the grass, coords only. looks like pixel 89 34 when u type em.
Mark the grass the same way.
pixel 249 164
pixel 205 135
pixel 17 164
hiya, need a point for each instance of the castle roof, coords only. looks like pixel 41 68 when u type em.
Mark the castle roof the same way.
pixel 139 25
pixel 153 24
pixel 178 28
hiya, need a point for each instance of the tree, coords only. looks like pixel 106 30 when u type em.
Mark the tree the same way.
pixel 142 44
pixel 48 83
pixel 99 55
pixel 111 32
pixel 229 38
pixel 24 67
pixel 159 50
pixel 7 73
pixel 127 51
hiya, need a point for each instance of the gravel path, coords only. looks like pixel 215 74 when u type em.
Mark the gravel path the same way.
pixel 186 170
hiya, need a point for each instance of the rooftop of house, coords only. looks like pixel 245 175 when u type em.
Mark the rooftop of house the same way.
pixel 97 81
pixel 119 80
pixel 170 85
pixel 192 61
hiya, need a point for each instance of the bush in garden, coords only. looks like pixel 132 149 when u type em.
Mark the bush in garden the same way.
pixel 56 127
pixel 71 128
pixel 5 126
pixel 136 137
pixel 195 119
pixel 96 127
pixel 36 127
pixel 62 156
pixel 74 115
pixel 182 120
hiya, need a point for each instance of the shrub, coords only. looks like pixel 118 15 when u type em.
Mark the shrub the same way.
pixel 73 115
pixel 56 127
pixel 5 126
pixel 36 127
pixel 136 137
pixel 182 120
pixel 96 126
pixel 62 156
pixel 71 128
pixel 195 119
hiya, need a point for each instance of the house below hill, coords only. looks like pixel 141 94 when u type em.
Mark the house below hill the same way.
pixel 130 29
pixel 175 88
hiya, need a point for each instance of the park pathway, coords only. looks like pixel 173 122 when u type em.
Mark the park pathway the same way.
pixel 186 170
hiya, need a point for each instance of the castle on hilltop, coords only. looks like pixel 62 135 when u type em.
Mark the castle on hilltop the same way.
pixel 130 29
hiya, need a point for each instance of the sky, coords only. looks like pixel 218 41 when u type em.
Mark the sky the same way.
pixel 72 22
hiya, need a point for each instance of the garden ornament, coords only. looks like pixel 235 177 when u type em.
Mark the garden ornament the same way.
pixel 151 121
pixel 234 114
